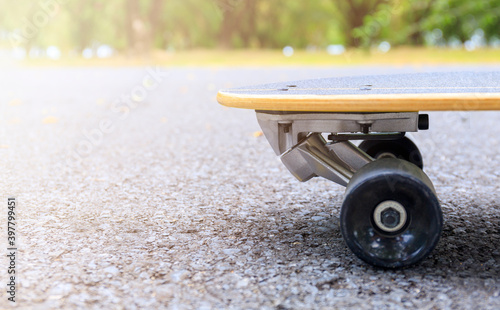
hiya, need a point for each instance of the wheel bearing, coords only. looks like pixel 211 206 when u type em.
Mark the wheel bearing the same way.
pixel 390 216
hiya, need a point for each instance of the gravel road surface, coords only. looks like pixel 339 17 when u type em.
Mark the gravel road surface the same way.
pixel 137 190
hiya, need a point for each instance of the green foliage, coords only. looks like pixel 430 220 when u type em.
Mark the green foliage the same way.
pixel 374 25
pixel 460 18
pixel 137 26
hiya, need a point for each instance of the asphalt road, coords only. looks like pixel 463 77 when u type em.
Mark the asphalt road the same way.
pixel 137 190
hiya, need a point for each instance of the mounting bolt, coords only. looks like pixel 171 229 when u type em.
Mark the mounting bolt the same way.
pixel 365 128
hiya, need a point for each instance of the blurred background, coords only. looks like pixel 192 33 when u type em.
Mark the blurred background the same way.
pixel 138 190
pixel 97 29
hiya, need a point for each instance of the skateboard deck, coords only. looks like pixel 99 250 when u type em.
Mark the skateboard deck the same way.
pixel 461 91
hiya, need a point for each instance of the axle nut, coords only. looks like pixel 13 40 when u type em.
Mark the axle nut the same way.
pixel 390 216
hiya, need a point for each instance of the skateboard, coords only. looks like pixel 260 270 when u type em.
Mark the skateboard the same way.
pixel 390 216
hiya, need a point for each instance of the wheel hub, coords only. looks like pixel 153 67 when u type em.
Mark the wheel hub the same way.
pixel 390 216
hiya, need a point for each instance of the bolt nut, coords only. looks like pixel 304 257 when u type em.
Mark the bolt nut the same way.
pixel 390 216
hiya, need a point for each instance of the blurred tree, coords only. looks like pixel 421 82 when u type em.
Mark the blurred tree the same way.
pixel 397 21
pixel 84 22
pixel 460 19
pixel 19 32
pixel 299 24
pixel 353 13
pixel 137 32
pixel 238 20
pixel 375 25
pixel 137 26
pixel 143 24
pixel 189 24
pixel 155 18
pixel 415 14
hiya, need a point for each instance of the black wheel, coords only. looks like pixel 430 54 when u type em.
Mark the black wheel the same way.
pixel 391 216
pixel 402 148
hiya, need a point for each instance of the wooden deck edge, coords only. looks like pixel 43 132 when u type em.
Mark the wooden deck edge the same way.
pixel 364 103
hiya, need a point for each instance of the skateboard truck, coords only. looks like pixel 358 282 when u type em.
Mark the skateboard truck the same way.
pixel 389 200
pixel 297 139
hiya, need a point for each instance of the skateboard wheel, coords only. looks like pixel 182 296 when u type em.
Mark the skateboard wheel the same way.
pixel 402 148
pixel 391 216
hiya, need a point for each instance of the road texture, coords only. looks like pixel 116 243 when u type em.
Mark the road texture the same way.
pixel 137 190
